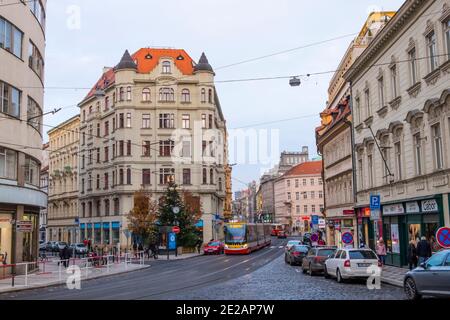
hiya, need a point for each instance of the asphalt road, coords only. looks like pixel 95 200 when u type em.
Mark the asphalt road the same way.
pixel 162 279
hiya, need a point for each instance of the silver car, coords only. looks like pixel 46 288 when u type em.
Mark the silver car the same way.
pixel 432 278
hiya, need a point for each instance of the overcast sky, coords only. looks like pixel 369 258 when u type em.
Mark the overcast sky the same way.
pixel 228 31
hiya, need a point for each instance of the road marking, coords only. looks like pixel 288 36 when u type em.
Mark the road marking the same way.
pixel 280 247
pixel 227 260
pixel 298 270
pixel 247 269
pixel 272 247
pixel 246 261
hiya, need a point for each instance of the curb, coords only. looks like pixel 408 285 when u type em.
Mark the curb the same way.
pixel 58 283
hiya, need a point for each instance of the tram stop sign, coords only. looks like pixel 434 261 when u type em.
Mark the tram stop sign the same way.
pixel 443 237
pixel 176 229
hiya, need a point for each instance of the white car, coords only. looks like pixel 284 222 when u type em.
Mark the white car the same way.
pixel 292 243
pixel 351 263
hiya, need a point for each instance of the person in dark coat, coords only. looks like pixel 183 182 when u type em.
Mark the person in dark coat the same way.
pixel 412 255
pixel 423 250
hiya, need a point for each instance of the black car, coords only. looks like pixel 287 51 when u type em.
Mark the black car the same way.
pixel 295 255
pixel 307 239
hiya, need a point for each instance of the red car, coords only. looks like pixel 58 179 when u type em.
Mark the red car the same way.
pixel 214 247
pixel 282 235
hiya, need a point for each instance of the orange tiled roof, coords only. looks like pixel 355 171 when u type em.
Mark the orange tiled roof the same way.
pixel 311 167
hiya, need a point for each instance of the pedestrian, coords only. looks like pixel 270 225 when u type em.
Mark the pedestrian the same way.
pixel 321 242
pixel 412 255
pixel 135 246
pixel 198 244
pixel 381 251
pixel 423 250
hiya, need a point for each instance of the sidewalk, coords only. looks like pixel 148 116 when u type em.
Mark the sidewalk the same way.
pixel 393 275
pixel 173 257
pixel 50 274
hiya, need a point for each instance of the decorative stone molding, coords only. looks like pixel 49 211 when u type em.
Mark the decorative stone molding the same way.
pixel 440 180
pixel 445 67
pixel 359 127
pixel 432 77
pixel 369 121
pixel 394 126
pixel 429 28
pixel 445 12
pixel 420 185
pixel 381 133
pixel 401 188
pixel 414 90
pixel 413 115
pixel 395 103
pixel 387 191
pixel 382 111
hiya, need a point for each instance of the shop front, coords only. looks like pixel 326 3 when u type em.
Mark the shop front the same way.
pixel 5 237
pixel 337 226
pixel 366 227
pixel 408 221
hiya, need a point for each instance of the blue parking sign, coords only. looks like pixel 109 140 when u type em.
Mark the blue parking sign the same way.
pixel 375 202
pixel 172 241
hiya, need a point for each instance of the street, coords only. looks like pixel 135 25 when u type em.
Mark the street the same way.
pixel 262 275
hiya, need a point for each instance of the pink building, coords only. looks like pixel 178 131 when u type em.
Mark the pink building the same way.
pixel 299 195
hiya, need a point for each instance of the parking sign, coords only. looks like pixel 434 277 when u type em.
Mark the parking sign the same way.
pixel 375 202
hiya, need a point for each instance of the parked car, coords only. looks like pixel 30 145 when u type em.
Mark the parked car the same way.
pixel 79 248
pixel 42 245
pixel 61 245
pixel 314 261
pixel 350 263
pixel 296 254
pixel 52 246
pixel 214 247
pixel 431 278
pixel 282 234
pixel 291 243
pixel 307 239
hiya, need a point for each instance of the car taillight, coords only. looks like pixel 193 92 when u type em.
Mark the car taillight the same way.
pixel 296 253
pixel 347 263
pixel 316 259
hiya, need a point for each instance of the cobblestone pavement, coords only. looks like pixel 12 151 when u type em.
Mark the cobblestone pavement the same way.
pixel 280 281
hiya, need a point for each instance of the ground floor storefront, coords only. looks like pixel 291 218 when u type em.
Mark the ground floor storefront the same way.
pixel 400 223
pixel 336 227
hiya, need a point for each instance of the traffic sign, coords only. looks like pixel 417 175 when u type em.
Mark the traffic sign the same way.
pixel 314 237
pixel 347 238
pixel 176 229
pixel 172 241
pixel 443 237
pixel 375 214
pixel 375 202
pixel 315 219
pixel 322 223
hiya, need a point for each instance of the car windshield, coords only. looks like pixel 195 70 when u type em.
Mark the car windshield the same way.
pixel 214 244
pixel 301 248
pixel 325 252
pixel 362 254
pixel 293 242
pixel 235 234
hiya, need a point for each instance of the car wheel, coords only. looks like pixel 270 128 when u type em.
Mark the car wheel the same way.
pixel 310 272
pixel 339 276
pixel 411 289
pixel 325 273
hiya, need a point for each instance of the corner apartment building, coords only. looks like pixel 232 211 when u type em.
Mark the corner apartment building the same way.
pixel 299 196
pixel 62 212
pixel 154 117
pixel 22 48
pixel 334 138
pixel 401 101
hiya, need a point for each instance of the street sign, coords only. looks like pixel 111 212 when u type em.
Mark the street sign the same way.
pixel 347 238
pixel 443 237
pixel 172 241
pixel 176 229
pixel 315 219
pixel 24 226
pixel 322 223
pixel 375 202
pixel 314 237
pixel 375 214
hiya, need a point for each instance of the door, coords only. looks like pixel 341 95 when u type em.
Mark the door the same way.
pixel 331 263
pixel 428 280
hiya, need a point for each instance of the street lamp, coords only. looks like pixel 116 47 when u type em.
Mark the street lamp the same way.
pixel 295 82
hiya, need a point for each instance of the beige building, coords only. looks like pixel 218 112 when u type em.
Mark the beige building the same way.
pixel 401 102
pixel 154 117
pixel 334 138
pixel 63 182
pixel 22 48
pixel 299 196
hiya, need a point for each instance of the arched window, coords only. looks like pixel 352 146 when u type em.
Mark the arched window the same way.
pixel 205 177
pixel 185 95
pixel 121 94
pixel 166 67
pixel 106 103
pixel 211 176
pixel 146 94
pixel 210 95
pixel 129 93
pixel 166 94
pixel 203 98
pixel 128 176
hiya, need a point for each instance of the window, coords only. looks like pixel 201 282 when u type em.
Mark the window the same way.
pixel 106 103
pixel 106 207
pixel 313 195
pixel 146 148
pixel 398 160
pixel 166 175
pixel 385 164
pixel 9 100
pixel 128 120
pixel 210 123
pixel 38 10
pixel 381 92
pixel 413 65
pixel 186 176
pixel 305 195
pixel 313 208
pixel 305 208
pixel 437 146
pixel 296 183
pixel 210 94
pixel 304 182
pixel 288 183
pixel 203 95
pixel 121 120
pixel 312 182
pixel 10 38
pixel 98 130
pixel 106 128
pixel 35 60
pixel 116 207
pixel 368 107
pixel 211 176
pixel 320 194
pixel 8 164
pixel 98 155
pixel 106 154
pixel 447 36
pixel 145 121
pixel 83 160
pixel 166 120
pixel 204 176
pixel 128 176
pixel 98 182
pixel 166 67
pixel 82 186
pixel 360 174
pixel 146 173
pixel 121 149
pixel 186 151
pixel 418 153
pixel 432 51
pixel 186 121
pixel 220 184
pixel 121 176
pixel 32 171
pixel 146 94
pixel 394 80
pixel 166 95
pixel 34 114
pixel 185 96
pixel 204 121
pixel 166 148
pixel 106 181
pixel 121 94
pixel 129 93
pixel 297 196
pixel 129 148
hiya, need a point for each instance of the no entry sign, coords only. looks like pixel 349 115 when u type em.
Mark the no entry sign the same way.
pixel 443 237
pixel 347 238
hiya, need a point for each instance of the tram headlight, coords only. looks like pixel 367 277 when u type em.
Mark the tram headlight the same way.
pixel 245 246
pixel 226 246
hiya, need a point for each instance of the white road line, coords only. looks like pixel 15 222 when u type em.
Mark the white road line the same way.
pixel 247 269
pixel 272 247
pixel 280 247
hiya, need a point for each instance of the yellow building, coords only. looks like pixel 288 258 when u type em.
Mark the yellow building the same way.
pixel 63 185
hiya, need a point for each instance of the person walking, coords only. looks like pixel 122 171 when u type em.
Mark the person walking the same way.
pixel 381 251
pixel 412 255
pixel 135 246
pixel 423 250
